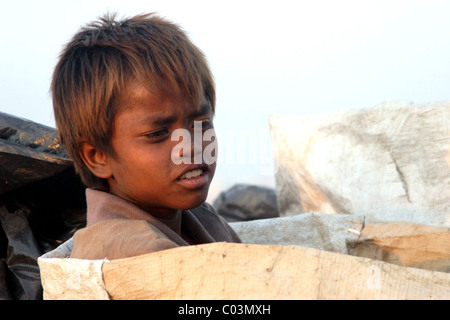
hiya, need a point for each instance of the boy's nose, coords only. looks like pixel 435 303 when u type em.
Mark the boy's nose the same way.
pixel 190 149
pixel 197 143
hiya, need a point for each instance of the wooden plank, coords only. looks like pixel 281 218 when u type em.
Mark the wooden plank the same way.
pixel 242 271
pixel 407 244
pixel 402 243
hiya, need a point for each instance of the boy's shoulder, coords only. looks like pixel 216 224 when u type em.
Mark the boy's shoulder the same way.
pixel 118 238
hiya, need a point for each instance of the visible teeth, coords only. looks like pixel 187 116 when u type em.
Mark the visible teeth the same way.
pixel 192 174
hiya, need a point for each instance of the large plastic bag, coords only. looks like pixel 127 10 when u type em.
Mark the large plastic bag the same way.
pixel 390 162
pixel 42 203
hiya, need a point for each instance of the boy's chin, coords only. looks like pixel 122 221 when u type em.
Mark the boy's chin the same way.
pixel 193 202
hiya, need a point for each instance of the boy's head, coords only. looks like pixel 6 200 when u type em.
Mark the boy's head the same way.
pixel 111 68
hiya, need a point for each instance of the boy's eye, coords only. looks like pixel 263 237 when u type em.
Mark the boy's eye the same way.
pixel 206 124
pixel 157 133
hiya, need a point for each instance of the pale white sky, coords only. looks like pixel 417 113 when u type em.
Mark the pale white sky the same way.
pixel 268 57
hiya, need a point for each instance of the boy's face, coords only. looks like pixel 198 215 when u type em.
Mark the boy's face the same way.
pixel 142 169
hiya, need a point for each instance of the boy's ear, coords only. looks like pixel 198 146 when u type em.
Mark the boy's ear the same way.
pixel 96 160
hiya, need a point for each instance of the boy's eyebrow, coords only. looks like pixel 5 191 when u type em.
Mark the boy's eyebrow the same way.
pixel 161 119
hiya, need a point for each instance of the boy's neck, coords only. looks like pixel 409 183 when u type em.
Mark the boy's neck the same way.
pixel 172 221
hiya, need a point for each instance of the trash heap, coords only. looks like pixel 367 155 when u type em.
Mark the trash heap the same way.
pixel 361 210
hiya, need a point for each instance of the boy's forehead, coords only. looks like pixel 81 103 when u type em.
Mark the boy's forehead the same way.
pixel 139 96
pixel 136 94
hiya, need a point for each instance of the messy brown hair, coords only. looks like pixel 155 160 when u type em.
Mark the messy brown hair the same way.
pixel 105 57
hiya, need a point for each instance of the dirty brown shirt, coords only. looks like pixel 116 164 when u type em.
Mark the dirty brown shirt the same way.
pixel 117 229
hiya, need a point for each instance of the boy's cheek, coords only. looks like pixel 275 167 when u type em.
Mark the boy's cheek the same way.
pixel 210 150
pixel 210 147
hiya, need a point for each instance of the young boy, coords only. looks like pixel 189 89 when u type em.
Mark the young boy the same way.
pixel 120 90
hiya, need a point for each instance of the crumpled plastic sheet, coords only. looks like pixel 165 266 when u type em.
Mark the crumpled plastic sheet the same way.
pixel 323 231
pixel 41 203
pixel 22 253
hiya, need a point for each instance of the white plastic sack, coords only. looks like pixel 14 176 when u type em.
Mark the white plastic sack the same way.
pixel 388 163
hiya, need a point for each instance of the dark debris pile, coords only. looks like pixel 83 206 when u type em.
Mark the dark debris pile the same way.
pixel 42 203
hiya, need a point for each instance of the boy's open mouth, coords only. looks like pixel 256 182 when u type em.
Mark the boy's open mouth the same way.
pixel 195 172
pixel 195 177
pixel 191 174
